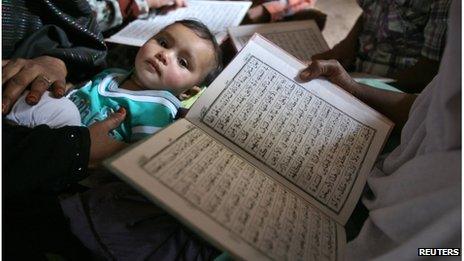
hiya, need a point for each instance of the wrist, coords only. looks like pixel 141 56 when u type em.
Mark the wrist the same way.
pixel 56 63
pixel 355 90
pixel 60 63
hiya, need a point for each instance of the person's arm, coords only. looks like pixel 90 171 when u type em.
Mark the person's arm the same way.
pixel 415 78
pixel 102 145
pixel 394 105
pixel 42 158
pixel 346 50
pixel 67 40
pixel 48 159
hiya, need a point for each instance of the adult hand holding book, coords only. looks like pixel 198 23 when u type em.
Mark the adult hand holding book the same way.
pixel 333 71
pixel 394 105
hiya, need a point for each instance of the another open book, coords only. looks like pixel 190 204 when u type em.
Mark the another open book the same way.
pixel 262 166
pixel 302 39
pixel 217 15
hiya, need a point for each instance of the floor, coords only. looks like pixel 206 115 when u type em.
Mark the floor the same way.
pixel 341 16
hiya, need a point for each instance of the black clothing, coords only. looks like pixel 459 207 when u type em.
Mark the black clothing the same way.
pixel 62 29
pixel 38 164
pixel 43 159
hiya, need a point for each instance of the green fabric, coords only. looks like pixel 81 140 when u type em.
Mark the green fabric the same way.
pixel 147 111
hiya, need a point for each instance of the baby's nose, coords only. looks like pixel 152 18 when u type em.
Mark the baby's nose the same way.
pixel 162 57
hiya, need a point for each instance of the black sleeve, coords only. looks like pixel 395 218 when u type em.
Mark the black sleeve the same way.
pixel 43 159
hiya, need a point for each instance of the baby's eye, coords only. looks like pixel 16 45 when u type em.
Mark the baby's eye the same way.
pixel 162 42
pixel 183 63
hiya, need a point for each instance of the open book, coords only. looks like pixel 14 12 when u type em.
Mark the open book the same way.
pixel 217 15
pixel 302 39
pixel 262 166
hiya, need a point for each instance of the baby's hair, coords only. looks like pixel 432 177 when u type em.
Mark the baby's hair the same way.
pixel 202 31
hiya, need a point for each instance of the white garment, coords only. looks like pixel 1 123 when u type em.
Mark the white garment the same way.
pixel 53 112
pixel 415 199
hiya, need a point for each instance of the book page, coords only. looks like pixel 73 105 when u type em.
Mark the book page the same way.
pixel 228 200
pixel 217 15
pixel 315 138
pixel 302 39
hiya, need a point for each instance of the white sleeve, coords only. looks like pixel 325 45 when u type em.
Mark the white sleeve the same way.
pixel 50 111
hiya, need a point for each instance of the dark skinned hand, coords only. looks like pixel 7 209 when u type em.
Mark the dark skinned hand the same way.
pixel 102 145
pixel 333 71
pixel 38 74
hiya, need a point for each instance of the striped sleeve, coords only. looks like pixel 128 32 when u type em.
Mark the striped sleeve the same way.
pixel 435 30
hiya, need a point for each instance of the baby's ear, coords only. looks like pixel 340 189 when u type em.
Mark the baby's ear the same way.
pixel 189 93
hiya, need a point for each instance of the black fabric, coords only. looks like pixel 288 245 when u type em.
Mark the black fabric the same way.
pixel 43 159
pixel 62 29
pixel 37 164
pixel 34 226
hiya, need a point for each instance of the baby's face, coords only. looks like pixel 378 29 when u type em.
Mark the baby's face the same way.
pixel 175 59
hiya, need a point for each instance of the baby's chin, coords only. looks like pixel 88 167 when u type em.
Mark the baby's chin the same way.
pixel 156 87
pixel 152 84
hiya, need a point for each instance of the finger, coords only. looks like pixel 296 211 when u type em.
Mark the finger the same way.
pixel 11 69
pixel 14 88
pixel 114 120
pixel 59 88
pixel 312 71
pixel 5 62
pixel 317 68
pixel 38 87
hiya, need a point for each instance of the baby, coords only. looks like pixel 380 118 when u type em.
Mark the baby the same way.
pixel 168 68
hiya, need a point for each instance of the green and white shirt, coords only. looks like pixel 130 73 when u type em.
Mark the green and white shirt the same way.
pixel 147 111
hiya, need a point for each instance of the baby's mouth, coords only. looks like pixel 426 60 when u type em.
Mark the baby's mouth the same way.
pixel 153 67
